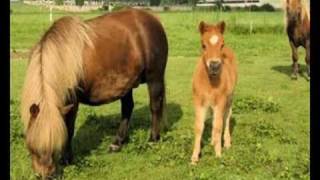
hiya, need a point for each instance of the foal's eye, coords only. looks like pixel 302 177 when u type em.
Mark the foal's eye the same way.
pixel 222 46
pixel 203 46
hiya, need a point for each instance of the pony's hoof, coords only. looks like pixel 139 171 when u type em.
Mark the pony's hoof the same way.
pixel 154 138
pixel 66 160
pixel 194 160
pixel 114 148
pixel 227 145
pixel 294 76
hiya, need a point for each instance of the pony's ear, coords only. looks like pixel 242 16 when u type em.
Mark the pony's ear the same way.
pixel 64 110
pixel 221 26
pixel 34 111
pixel 202 27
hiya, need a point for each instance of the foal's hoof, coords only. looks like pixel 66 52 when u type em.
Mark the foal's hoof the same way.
pixel 114 148
pixel 194 160
pixel 294 76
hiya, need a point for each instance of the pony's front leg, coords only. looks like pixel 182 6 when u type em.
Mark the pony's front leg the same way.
pixel 295 66
pixel 200 113
pixel 227 136
pixel 127 105
pixel 157 95
pixel 70 117
pixel 219 112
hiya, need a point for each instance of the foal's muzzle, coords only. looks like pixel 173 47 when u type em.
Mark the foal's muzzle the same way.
pixel 214 68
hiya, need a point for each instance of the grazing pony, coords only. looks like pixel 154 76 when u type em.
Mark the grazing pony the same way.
pixel 213 85
pixel 94 62
pixel 298 30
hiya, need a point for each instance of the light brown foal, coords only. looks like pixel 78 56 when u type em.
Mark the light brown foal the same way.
pixel 213 85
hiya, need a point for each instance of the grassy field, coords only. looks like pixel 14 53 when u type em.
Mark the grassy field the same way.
pixel 270 121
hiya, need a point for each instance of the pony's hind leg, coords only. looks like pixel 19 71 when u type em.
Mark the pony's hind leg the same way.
pixel 295 66
pixel 127 105
pixel 157 95
pixel 70 118
pixel 308 57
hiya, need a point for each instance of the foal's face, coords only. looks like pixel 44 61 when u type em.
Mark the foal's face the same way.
pixel 212 43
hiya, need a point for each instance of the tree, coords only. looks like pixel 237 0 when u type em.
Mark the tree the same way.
pixel 155 2
pixel 79 2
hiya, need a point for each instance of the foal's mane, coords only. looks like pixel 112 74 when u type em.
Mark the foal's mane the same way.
pixel 54 70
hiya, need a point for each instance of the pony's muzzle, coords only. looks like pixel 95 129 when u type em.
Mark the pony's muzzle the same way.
pixel 214 67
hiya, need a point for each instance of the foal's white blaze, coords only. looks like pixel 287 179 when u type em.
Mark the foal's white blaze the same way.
pixel 214 39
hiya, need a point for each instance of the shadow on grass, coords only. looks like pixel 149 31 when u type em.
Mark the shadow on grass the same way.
pixel 288 70
pixel 96 128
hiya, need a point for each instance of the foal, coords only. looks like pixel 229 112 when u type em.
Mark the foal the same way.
pixel 213 84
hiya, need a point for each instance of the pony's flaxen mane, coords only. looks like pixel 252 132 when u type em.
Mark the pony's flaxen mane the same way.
pixel 305 12
pixel 54 69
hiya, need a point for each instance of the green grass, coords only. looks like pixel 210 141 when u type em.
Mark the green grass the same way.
pixel 270 120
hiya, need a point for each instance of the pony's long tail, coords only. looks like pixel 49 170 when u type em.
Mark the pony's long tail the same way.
pixel 54 70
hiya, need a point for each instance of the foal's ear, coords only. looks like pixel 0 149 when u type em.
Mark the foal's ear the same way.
pixel 64 110
pixel 221 26
pixel 34 110
pixel 202 27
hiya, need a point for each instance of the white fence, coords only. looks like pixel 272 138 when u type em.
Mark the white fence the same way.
pixel 68 5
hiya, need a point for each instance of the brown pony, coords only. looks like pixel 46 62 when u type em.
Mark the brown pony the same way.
pixel 298 30
pixel 213 84
pixel 93 62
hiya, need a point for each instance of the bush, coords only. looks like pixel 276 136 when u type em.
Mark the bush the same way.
pixel 79 2
pixel 155 2
pixel 226 8
pixel 166 8
pixel 58 2
pixel 267 7
pixel 254 8
pixel 118 7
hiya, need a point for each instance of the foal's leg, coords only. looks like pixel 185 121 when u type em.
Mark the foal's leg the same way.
pixel 227 136
pixel 157 95
pixel 308 57
pixel 200 113
pixel 219 111
pixel 127 105
pixel 295 66
pixel 70 118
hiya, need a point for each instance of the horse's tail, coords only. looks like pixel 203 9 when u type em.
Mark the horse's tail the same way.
pixel 54 70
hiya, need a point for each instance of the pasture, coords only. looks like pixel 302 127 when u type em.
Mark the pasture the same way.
pixel 270 134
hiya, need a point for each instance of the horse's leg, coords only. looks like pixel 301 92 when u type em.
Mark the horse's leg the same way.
pixel 227 136
pixel 200 113
pixel 127 105
pixel 70 118
pixel 308 57
pixel 219 112
pixel 157 95
pixel 295 66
